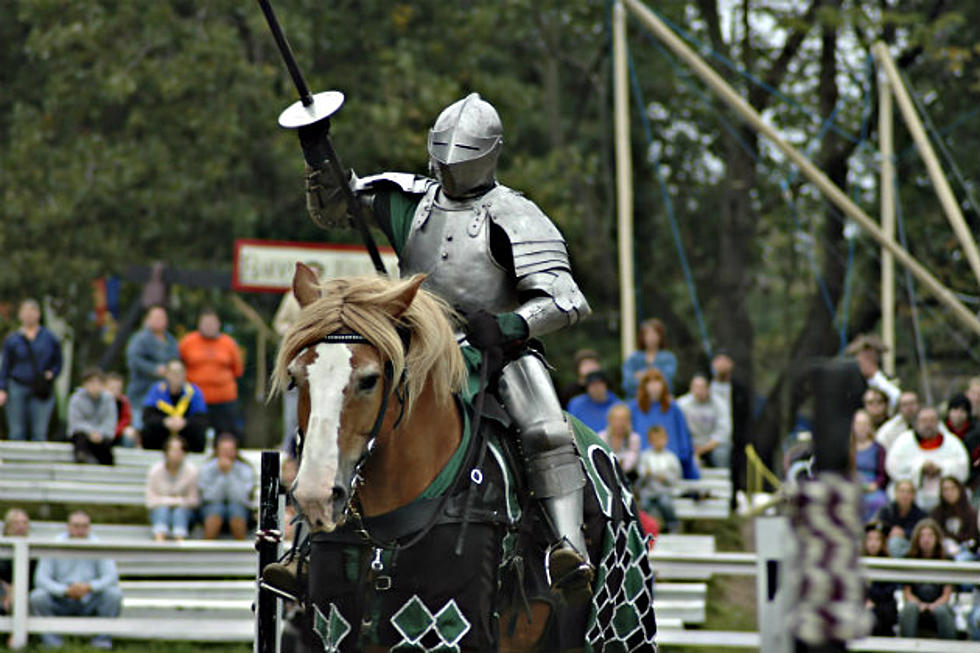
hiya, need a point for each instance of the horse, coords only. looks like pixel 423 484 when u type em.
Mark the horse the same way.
pixel 422 533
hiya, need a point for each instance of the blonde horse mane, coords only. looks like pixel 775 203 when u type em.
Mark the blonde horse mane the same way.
pixel 366 306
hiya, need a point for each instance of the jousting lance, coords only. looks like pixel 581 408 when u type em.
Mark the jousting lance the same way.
pixel 310 116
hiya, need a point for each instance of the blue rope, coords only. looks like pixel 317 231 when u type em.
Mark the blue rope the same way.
pixel 669 208
pixel 920 345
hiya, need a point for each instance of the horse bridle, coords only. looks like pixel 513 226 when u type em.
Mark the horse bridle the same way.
pixel 401 396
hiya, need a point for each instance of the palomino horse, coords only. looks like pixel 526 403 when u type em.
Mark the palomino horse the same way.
pixel 391 473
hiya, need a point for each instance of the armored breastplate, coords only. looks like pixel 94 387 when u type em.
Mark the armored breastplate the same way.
pixel 450 242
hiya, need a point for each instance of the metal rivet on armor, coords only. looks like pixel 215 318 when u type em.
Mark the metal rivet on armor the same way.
pixel 449 237
pixel 445 255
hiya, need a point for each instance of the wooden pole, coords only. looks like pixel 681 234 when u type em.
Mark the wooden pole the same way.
pixel 887 190
pixel 830 190
pixel 939 182
pixel 624 185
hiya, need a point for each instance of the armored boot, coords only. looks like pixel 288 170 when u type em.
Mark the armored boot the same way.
pixel 555 472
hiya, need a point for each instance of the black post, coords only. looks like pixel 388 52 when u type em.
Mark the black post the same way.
pixel 266 631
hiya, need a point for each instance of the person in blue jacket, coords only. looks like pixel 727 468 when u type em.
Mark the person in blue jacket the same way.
pixel 31 363
pixel 591 406
pixel 652 353
pixel 176 406
pixel 654 406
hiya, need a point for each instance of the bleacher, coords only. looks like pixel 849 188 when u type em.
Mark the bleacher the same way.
pixel 167 586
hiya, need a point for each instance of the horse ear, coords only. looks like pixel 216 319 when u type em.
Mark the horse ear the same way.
pixel 306 285
pixel 405 298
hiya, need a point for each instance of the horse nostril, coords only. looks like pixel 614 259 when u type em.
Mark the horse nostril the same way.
pixel 339 494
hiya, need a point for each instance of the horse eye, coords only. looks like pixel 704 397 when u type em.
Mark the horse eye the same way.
pixel 292 383
pixel 367 383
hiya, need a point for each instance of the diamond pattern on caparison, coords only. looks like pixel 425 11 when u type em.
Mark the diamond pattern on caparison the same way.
pixel 421 630
pixel 622 617
pixel 331 629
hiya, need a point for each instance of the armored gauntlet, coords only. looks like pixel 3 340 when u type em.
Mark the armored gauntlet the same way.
pixel 325 200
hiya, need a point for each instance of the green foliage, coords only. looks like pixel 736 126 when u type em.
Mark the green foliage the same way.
pixel 141 131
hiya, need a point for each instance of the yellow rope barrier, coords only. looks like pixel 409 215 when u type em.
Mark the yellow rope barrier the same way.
pixel 757 471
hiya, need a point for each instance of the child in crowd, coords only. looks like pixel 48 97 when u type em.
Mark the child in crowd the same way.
pixel 927 603
pixel 881 594
pixel 622 439
pixel 126 434
pixel 172 494
pixel 226 490
pixel 659 470
pixel 92 419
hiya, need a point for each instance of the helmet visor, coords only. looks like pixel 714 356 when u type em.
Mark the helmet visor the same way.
pixel 455 145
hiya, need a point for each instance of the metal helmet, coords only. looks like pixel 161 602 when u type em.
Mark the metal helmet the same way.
pixel 464 145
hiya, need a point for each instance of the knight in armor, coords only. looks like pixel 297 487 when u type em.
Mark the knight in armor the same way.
pixel 499 260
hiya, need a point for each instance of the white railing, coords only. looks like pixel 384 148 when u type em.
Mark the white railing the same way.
pixel 221 556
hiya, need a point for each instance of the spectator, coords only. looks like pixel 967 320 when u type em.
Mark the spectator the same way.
pixel 622 439
pixel 973 394
pixel 709 421
pixel 867 350
pixel 869 461
pixel 958 519
pixel 126 435
pixel 652 354
pixel 172 494
pixel 31 362
pixel 659 471
pixel 880 594
pixel 591 406
pixel 737 397
pixel 146 357
pixel 960 422
pixel 174 406
pixel 92 419
pixel 654 407
pixel 925 455
pixel 899 518
pixel 214 364
pixel 927 603
pixel 585 361
pixel 81 587
pixel 904 420
pixel 226 490
pixel 876 405
pixel 16 523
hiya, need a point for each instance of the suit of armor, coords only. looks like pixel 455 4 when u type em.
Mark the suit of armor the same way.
pixel 486 247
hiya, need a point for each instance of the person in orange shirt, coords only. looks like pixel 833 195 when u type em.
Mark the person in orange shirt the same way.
pixel 214 363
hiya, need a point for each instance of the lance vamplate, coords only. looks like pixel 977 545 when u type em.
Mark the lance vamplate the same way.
pixel 313 112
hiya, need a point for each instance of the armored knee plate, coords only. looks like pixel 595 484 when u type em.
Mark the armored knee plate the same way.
pixel 526 391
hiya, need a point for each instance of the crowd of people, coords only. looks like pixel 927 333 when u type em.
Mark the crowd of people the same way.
pixel 919 470
pixel 658 439
pixel 189 388
pixel 919 466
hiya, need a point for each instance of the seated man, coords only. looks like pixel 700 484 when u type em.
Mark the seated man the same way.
pixel 82 587
pixel 226 489
pixel 92 419
pixel 174 406
pixel 16 523
pixel 709 422
pixel 925 455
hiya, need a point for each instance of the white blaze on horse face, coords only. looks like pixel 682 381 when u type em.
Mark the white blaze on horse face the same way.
pixel 326 377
